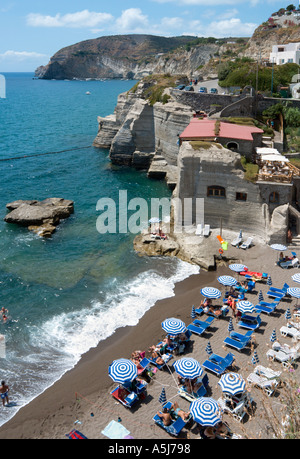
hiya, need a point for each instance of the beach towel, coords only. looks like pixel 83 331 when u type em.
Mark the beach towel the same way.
pixel 76 435
pixel 115 430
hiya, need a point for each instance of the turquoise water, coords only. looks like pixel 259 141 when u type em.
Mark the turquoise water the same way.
pixel 67 293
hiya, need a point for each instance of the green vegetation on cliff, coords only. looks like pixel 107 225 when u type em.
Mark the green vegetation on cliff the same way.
pixel 244 71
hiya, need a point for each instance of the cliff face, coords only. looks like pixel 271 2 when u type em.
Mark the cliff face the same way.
pixel 136 131
pixel 261 42
pixel 125 56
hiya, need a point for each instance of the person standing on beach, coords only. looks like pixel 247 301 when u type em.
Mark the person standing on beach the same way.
pixel 4 392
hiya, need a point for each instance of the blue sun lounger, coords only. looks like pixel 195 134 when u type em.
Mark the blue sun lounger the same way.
pixel 249 322
pixel 177 424
pixel 266 309
pixel 196 329
pixel 204 323
pixel 237 340
pixel 217 364
pixel 280 290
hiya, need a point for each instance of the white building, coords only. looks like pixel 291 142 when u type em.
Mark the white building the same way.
pixel 283 54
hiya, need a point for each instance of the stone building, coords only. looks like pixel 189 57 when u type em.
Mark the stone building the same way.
pixel 243 139
pixel 216 175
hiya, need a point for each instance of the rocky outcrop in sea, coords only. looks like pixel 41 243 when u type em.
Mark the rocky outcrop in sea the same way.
pixel 41 217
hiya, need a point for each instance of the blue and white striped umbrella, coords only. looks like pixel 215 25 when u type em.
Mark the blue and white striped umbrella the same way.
pixel 273 336
pixel 294 291
pixel 162 398
pixel 255 358
pixel 237 267
pixel 193 312
pixel 232 383
pixel 288 314
pixel 227 280
pixel 187 367
pixel 269 280
pixel 279 247
pixel 260 296
pixel 208 348
pixel 173 326
pixel 206 411
pixel 210 292
pixel 296 277
pixel 230 325
pixel 122 371
pixel 245 306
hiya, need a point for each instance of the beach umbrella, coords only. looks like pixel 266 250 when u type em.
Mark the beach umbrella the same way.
pixel 294 291
pixel 227 280
pixel 255 358
pixel 296 277
pixel 279 247
pixel 206 411
pixel 154 220
pixel 269 280
pixel 273 336
pixel 288 314
pixel 187 367
pixel 232 383
pixel 122 371
pixel 245 306
pixel 237 267
pixel 162 398
pixel 210 292
pixel 260 296
pixel 193 313
pixel 230 325
pixel 208 348
pixel 173 326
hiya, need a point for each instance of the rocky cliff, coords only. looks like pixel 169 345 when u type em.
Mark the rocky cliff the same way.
pixel 126 56
pixel 138 133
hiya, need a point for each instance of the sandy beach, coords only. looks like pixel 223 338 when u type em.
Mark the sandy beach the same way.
pixel 81 398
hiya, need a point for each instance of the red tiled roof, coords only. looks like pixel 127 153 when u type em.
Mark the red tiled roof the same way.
pixel 205 128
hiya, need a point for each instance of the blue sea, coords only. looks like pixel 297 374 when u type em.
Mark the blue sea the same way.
pixel 66 294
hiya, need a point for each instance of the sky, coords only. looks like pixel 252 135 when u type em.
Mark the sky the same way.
pixel 31 31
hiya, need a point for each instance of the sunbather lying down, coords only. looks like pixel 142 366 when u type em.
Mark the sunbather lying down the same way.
pixel 155 355
pixel 167 415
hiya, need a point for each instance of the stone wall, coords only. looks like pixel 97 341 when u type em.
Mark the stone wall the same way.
pixel 217 166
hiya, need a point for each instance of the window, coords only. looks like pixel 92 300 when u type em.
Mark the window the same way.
pixel 274 197
pixel 241 197
pixel 216 191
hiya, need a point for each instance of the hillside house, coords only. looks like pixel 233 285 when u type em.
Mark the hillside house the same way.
pixel 283 54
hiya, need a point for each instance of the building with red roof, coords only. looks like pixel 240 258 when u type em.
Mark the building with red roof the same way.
pixel 243 139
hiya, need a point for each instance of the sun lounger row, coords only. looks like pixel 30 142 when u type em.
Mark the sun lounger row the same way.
pixel 265 378
pixel 199 326
pixel 283 353
pixel 217 364
pixel 202 230
pixel 238 242
pixel 237 340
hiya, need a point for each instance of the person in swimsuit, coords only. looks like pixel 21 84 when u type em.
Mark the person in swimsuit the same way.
pixel 4 392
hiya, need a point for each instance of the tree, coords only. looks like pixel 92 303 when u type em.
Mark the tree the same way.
pixel 291 7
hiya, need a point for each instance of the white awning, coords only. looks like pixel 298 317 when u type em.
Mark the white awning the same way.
pixel 267 151
pixel 278 158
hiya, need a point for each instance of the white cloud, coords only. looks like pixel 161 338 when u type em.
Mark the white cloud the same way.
pixel 80 19
pixel 132 20
pixel 21 55
pixel 232 27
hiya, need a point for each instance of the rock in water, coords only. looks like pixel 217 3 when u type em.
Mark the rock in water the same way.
pixel 42 217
